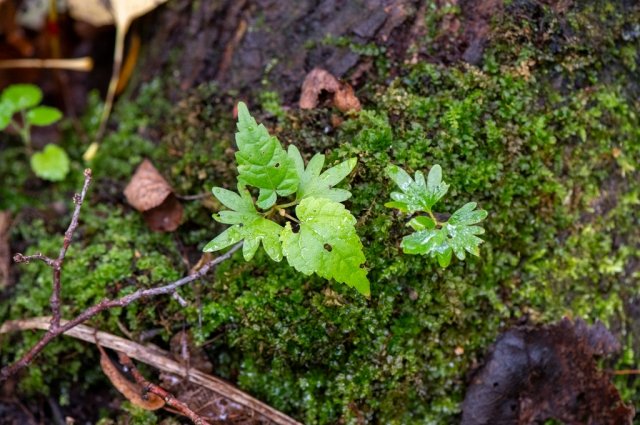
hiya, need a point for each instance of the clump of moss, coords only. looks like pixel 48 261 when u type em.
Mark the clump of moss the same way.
pixel 548 146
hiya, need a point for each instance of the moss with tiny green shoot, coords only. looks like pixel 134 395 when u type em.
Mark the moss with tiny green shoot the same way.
pixel 544 135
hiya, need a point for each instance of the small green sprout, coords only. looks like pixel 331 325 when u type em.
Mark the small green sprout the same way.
pixel 52 163
pixel 318 236
pixel 432 236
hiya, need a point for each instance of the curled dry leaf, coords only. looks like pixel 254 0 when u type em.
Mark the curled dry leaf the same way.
pixel 319 80
pixel 533 374
pixel 131 390
pixel 149 193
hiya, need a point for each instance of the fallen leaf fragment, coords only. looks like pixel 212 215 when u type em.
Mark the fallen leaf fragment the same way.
pixel 122 13
pixel 131 390
pixel 533 374
pixel 345 99
pixel 319 80
pixel 151 194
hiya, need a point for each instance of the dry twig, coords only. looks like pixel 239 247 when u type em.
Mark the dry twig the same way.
pixel 55 328
pixel 159 359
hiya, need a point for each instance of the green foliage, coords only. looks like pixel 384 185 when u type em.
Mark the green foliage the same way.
pixel 439 239
pixel 550 155
pixel 326 243
pixel 248 225
pixel 262 162
pixel 20 97
pixel 52 163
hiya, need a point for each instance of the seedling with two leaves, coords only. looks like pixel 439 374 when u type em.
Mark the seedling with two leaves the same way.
pixel 52 163
pixel 320 237
pixel 433 236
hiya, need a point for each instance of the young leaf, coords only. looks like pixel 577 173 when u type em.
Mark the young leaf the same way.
pixel 247 225
pixel 52 163
pixel 416 195
pixel 316 185
pixel 326 243
pixel 466 215
pixel 21 96
pixel 262 162
pixel 43 115
pixel 6 112
pixel 458 235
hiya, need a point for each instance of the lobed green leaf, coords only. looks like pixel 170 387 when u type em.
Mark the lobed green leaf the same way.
pixel 6 112
pixel 248 225
pixel 316 185
pixel 326 244
pixel 441 243
pixel 416 195
pixel 262 162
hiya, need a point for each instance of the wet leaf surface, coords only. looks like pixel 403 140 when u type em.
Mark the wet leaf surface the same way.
pixel 549 372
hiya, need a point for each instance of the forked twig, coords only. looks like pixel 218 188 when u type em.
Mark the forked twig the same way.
pixel 55 328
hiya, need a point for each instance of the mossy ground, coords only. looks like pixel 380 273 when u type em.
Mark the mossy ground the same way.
pixel 545 135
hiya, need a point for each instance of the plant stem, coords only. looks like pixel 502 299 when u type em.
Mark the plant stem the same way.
pixel 435 220
pixel 292 218
pixel 287 205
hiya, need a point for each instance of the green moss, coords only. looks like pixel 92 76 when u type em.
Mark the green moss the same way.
pixel 544 136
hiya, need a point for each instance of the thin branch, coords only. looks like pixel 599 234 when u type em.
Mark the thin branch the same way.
pixel 169 399
pixel 21 258
pixel 106 304
pixel 159 359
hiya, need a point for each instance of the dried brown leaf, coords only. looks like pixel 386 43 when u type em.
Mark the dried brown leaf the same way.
pixel 345 99
pixel 166 217
pixel 185 351
pixel 151 194
pixel 131 390
pixel 147 188
pixel 533 374
pixel 319 80
pixel 314 83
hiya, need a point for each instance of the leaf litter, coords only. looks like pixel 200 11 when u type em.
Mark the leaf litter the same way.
pixel 536 373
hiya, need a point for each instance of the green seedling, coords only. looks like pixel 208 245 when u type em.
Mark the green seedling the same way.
pixel 432 236
pixel 52 163
pixel 311 227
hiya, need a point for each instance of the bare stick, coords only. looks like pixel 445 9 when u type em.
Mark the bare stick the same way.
pixel 159 359
pixel 84 64
pixel 106 304
pixel 56 265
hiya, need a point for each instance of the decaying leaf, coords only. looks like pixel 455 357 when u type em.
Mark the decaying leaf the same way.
pixel 151 194
pixel 94 12
pixel 533 374
pixel 5 251
pixel 122 13
pixel 319 80
pixel 131 390
pixel 216 408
